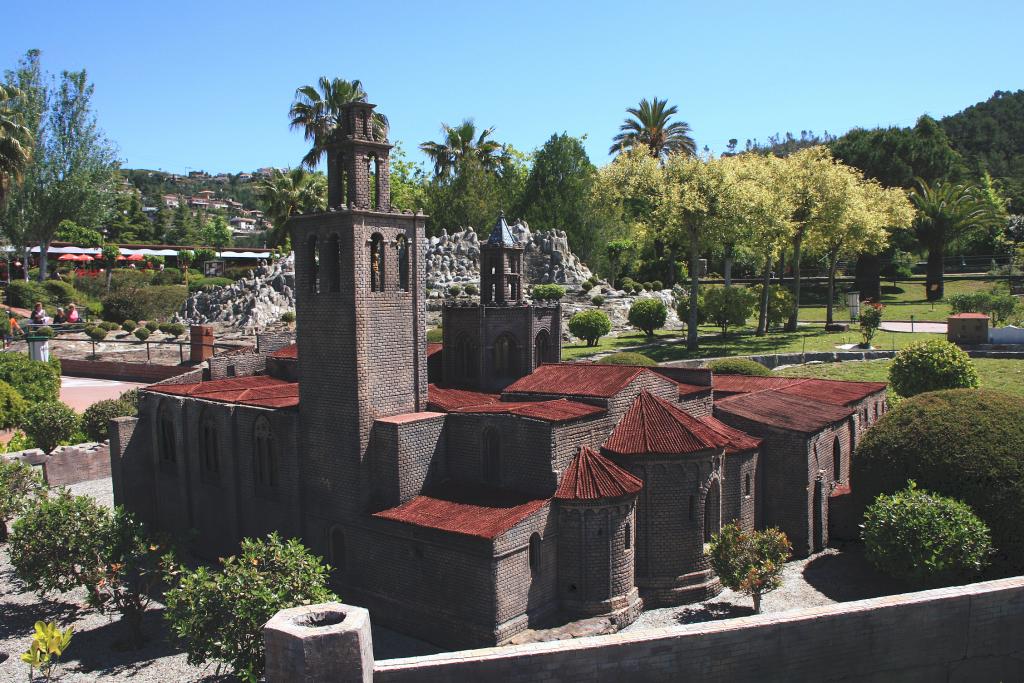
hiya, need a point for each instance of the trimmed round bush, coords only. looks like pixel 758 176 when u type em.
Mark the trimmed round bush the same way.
pixel 12 406
pixel 50 423
pixel 175 329
pixel 658 285
pixel 44 331
pixel 964 443
pixel 109 326
pixel 164 327
pixel 152 325
pixel 548 292
pixel 142 334
pixel 648 286
pixel 471 289
pixel 454 290
pixel 627 358
pixel 738 366
pixel 590 326
pixel 129 326
pixel 97 333
pixel 597 300
pixel 925 539
pixel 648 315
pixel 288 317
pixel 96 417
pixel 931 366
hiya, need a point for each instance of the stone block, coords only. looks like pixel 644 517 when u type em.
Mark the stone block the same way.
pixel 325 642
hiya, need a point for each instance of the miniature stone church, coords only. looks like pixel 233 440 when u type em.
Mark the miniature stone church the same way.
pixel 501 489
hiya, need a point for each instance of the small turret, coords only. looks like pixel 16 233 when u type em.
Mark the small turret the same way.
pixel 501 266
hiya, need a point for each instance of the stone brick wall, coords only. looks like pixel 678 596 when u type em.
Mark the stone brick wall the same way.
pixel 118 370
pixel 72 464
pixel 699 405
pixel 738 499
pixel 966 633
pixel 403 454
pixel 132 465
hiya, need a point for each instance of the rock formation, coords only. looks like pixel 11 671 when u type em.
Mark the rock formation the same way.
pixel 249 304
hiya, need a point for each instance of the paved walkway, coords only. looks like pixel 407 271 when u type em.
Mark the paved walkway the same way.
pixel 82 392
pixel 893 326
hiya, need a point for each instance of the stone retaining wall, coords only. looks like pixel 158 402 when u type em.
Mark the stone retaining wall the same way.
pixel 68 464
pixel 118 370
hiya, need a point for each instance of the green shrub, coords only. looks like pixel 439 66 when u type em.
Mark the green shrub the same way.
pixel 131 399
pixel 627 358
pixel 964 443
pixel 152 326
pixel 20 484
pixel 129 325
pixel 35 380
pixel 973 302
pixel 167 276
pixel 683 306
pixel 109 325
pixel 208 283
pixel 780 303
pixel 657 285
pixel 67 542
pixel 548 292
pixel 97 417
pixel 97 334
pixel 586 286
pixel 454 290
pixel 729 306
pixel 144 303
pixel 931 366
pixel 590 325
pixel 1004 307
pixel 471 289
pixel 12 406
pixel 738 366
pixel 61 293
pixel 597 300
pixel 25 293
pixel 925 539
pixel 142 334
pixel 235 273
pixel 648 286
pixel 127 278
pixel 750 562
pixel 219 616
pixel 870 319
pixel 43 331
pixel 638 288
pixel 288 317
pixel 175 330
pixel 435 335
pixel 50 423
pixel 164 327
pixel 627 284
pixel 648 315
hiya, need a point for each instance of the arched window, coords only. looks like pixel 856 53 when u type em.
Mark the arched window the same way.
pixel 342 172
pixel 209 448
pixel 541 345
pixel 535 554
pixel 837 459
pixel 377 169
pixel 332 264
pixel 313 258
pixel 371 177
pixel 264 455
pixel 506 356
pixel 403 263
pixel 746 484
pixel 491 458
pixel 377 263
pixel 629 536
pixel 166 439
pixel 337 549
pixel 465 357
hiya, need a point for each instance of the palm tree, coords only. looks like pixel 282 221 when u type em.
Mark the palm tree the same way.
pixel 316 110
pixel 649 127
pixel 286 193
pixel 461 143
pixel 15 140
pixel 946 212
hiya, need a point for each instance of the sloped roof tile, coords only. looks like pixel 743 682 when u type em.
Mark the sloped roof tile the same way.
pixel 658 427
pixel 591 476
pixel 259 390
pixel 558 410
pixel 577 379
pixel 783 411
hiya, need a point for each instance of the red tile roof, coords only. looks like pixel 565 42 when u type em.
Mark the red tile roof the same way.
pixel 447 399
pixel 433 347
pixel 290 351
pixel 260 390
pixel 653 425
pixel 725 385
pixel 473 510
pixel 834 392
pixel 776 409
pixel 591 476
pixel 559 410
pixel 691 389
pixel 577 379
pixel 739 441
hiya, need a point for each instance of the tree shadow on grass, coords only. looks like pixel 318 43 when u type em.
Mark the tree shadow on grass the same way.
pixel 848 576
pixel 712 611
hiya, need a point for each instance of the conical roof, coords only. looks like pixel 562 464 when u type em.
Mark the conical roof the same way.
pixel 591 476
pixel 501 234
pixel 656 426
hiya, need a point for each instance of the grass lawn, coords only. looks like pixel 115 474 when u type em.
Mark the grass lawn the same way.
pixel 741 343
pixel 907 299
pixel 994 373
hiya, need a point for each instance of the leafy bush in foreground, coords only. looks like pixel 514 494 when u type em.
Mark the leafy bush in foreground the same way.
pixel 35 380
pixel 50 423
pixel 931 366
pixel 97 417
pixel 750 562
pixel 590 325
pixel 19 484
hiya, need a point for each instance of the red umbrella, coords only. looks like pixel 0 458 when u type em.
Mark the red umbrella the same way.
pixel 68 257
pixel 136 257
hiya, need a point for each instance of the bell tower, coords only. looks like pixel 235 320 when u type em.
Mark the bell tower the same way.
pixel 501 266
pixel 360 311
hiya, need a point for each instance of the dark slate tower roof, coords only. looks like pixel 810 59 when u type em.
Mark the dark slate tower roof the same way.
pixel 501 234
pixel 591 476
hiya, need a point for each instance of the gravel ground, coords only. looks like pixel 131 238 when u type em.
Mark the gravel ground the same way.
pixel 830 576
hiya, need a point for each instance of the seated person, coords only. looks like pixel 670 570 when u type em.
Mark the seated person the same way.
pixel 38 316
pixel 73 315
pixel 59 318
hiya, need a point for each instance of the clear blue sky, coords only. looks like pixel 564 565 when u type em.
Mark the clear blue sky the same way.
pixel 206 85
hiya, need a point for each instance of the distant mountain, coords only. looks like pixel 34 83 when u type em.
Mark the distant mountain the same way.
pixel 990 137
